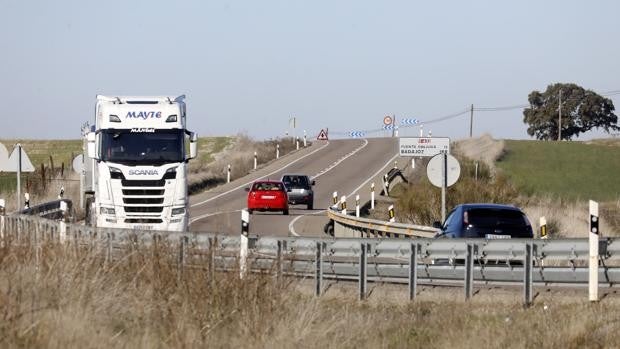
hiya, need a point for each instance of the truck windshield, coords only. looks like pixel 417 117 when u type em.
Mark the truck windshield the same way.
pixel 142 146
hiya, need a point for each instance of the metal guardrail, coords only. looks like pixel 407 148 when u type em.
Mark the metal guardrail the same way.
pixel 57 209
pixel 351 226
pixel 436 261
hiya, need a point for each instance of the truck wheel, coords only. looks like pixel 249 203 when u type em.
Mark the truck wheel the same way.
pixel 89 216
pixel 286 212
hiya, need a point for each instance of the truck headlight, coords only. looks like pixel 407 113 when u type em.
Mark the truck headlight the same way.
pixel 107 210
pixel 178 210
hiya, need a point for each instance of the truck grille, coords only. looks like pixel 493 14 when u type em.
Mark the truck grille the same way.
pixel 143 197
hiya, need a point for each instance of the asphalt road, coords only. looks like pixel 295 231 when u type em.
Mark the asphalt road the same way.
pixel 345 166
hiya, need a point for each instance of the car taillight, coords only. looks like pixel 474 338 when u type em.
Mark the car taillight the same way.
pixel 465 218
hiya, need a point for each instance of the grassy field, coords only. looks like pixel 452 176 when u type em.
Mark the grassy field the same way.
pixel 569 170
pixel 53 296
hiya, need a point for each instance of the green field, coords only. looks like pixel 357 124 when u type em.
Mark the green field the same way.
pixel 570 170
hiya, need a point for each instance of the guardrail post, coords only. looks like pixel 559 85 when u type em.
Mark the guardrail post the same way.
pixel 363 285
pixel 182 248
pixel 593 261
pixel 413 271
pixel 279 260
pixel 469 271
pixel 212 244
pixel 2 230
pixel 108 254
pixel 527 275
pixel 62 231
pixel 318 276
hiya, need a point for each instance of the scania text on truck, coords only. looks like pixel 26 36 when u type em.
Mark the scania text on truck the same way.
pixel 138 151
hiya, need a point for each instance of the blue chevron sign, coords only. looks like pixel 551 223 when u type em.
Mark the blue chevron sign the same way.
pixel 408 122
pixel 389 127
pixel 356 134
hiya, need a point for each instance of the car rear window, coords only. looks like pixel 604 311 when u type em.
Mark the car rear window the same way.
pixel 482 217
pixel 268 186
pixel 296 182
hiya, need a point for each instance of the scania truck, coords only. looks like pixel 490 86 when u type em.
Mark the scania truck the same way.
pixel 138 150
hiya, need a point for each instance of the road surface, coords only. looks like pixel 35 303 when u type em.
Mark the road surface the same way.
pixel 345 166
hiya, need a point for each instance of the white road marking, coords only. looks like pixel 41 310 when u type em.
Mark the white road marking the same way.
pixel 248 183
pixel 211 214
pixel 291 226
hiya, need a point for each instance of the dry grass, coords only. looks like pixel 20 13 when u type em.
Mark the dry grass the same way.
pixel 483 148
pixel 66 297
pixel 239 154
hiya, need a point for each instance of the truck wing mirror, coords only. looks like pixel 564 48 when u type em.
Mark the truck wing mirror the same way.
pixel 193 145
pixel 92 145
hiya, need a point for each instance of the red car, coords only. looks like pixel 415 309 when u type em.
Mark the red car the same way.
pixel 267 196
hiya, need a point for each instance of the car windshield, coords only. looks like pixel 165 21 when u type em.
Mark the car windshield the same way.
pixel 296 182
pixel 495 217
pixel 142 146
pixel 271 186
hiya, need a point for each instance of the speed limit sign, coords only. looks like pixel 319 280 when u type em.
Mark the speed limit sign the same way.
pixel 387 120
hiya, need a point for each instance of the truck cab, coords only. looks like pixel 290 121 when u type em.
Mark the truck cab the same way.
pixel 139 150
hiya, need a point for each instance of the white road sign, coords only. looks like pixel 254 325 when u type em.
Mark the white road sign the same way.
pixel 13 161
pixel 421 146
pixel 434 170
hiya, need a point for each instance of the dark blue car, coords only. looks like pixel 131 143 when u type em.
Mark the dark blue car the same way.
pixel 490 221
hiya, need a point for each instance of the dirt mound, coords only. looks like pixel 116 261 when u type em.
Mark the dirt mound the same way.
pixel 483 148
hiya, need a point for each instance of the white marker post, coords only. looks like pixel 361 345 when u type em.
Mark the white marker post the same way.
pixel 228 175
pixel 543 227
pixel 26 200
pixel 297 143
pixel 305 142
pixel 391 213
pixel 335 199
pixel 343 204
pixel 2 210
pixel 386 185
pixel 357 205
pixel 277 151
pixel 243 242
pixel 421 131
pixel 594 233
pixel 19 175
pixel 372 196
pixel 255 160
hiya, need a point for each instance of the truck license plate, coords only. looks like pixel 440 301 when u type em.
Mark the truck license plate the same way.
pixel 143 227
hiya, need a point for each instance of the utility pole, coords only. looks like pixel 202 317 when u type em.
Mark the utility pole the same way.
pixel 471 121
pixel 393 125
pixel 560 118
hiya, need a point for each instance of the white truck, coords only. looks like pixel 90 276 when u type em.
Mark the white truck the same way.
pixel 138 150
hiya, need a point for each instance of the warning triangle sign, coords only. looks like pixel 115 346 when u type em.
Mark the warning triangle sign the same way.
pixel 11 163
pixel 322 135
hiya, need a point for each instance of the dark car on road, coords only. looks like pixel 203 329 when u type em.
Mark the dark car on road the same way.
pixel 490 221
pixel 299 188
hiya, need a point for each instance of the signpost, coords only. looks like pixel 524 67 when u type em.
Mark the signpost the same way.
pixel 18 162
pixel 443 170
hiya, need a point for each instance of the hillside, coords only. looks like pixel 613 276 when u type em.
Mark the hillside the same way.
pixel 567 170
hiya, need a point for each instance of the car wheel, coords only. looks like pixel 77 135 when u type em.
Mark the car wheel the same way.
pixel 311 206
pixel 286 212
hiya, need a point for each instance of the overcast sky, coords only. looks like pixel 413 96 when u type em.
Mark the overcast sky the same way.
pixel 249 66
